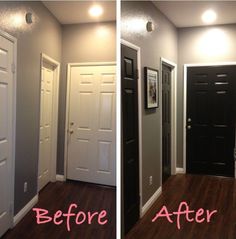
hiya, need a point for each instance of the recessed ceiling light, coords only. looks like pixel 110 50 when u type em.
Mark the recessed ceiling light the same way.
pixel 209 16
pixel 96 11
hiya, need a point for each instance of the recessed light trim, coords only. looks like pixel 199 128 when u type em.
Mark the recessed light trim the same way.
pixel 96 11
pixel 209 16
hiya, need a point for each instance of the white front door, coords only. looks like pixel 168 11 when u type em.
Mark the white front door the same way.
pixel 91 124
pixel 6 132
pixel 45 143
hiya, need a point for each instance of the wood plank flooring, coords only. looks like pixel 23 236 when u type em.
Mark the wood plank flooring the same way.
pixel 58 196
pixel 207 192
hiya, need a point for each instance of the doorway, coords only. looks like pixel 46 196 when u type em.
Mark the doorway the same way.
pixel 166 122
pixel 210 119
pixel 90 148
pixel 7 129
pixel 48 121
pixel 130 136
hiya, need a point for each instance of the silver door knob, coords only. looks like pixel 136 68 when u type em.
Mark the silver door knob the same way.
pixel 189 120
pixel 189 127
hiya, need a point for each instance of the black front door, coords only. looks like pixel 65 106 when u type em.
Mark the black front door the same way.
pixel 130 149
pixel 166 122
pixel 211 120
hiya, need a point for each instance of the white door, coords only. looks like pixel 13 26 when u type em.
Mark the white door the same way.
pixel 91 142
pixel 6 132
pixel 45 143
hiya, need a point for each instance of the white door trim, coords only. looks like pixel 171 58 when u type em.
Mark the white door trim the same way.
pixel 13 139
pixel 69 65
pixel 173 113
pixel 185 99
pixel 56 74
pixel 138 49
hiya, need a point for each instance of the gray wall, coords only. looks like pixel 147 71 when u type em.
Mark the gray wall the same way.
pixel 160 43
pixel 44 35
pixel 89 42
pixel 201 45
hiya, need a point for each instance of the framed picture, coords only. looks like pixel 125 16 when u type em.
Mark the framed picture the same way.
pixel 151 87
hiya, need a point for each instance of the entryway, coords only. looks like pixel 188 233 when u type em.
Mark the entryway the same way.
pixel 90 131
pixel 210 119
pixel 50 70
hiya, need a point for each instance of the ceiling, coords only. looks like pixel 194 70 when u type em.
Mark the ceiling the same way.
pixel 72 12
pixel 188 13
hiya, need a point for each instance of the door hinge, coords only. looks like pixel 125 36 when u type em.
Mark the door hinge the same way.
pixel 13 68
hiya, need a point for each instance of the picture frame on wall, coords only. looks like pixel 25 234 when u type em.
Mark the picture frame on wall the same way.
pixel 151 77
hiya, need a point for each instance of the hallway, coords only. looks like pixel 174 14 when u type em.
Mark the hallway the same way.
pixel 57 114
pixel 207 192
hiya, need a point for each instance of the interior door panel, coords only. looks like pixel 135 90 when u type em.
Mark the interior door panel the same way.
pixel 130 149
pixel 211 120
pixel 91 146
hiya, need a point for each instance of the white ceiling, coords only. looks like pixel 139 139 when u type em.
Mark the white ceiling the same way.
pixel 72 12
pixel 188 13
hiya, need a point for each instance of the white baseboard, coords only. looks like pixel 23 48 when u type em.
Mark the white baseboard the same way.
pixel 60 178
pixel 151 200
pixel 25 210
pixel 180 171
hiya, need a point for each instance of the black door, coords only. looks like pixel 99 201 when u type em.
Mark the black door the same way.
pixel 166 122
pixel 130 157
pixel 211 120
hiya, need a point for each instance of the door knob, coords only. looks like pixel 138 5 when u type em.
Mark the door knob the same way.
pixel 189 127
pixel 189 120
pixel 71 131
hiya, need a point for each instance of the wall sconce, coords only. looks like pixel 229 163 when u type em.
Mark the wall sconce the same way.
pixel 149 26
pixel 29 18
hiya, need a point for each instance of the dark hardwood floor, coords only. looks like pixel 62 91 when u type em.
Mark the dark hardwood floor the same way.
pixel 58 196
pixel 207 192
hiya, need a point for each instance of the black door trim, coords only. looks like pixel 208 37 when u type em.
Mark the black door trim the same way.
pixel 185 101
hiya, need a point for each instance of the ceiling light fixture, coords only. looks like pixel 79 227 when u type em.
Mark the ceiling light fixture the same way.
pixel 209 16
pixel 96 11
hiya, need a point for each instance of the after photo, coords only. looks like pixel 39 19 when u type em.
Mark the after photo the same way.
pixel 178 101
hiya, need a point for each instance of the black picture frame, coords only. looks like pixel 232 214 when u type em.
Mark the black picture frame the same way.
pixel 151 77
